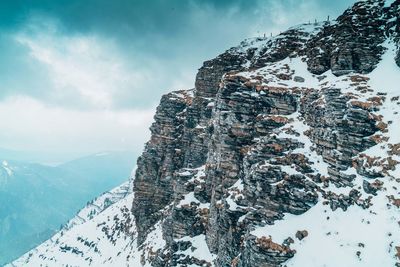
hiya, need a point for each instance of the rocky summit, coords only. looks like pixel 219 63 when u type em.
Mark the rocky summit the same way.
pixel 286 153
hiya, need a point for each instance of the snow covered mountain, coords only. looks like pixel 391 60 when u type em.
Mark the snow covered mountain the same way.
pixel 26 189
pixel 286 153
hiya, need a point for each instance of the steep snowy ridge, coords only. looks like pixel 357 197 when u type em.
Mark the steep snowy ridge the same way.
pixel 99 204
pixel 26 189
pixel 93 209
pixel 355 236
pixel 286 153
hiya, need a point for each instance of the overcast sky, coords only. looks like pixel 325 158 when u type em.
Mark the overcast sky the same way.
pixel 83 76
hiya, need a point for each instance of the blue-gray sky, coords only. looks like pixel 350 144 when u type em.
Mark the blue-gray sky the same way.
pixel 77 77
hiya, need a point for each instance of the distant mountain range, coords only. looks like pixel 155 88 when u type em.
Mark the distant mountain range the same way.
pixel 52 158
pixel 36 199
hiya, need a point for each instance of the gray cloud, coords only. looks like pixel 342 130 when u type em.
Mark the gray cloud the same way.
pixel 164 41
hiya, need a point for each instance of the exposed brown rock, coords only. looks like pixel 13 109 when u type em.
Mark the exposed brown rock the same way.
pixel 394 149
pixel 266 243
pixel 395 201
pixel 300 235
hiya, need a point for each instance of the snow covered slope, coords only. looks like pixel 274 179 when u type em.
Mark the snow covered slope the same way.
pixel 355 236
pixel 26 189
pixel 102 234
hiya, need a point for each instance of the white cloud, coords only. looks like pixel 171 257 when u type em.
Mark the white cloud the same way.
pixel 79 113
pixel 83 68
pixel 28 124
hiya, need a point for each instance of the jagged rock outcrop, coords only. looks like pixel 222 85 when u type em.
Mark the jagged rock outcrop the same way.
pixel 164 154
pixel 356 36
pixel 283 143
pixel 253 177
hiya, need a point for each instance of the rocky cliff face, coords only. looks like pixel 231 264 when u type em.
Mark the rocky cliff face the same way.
pixel 285 153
